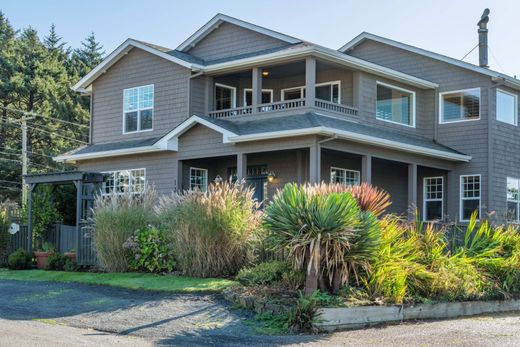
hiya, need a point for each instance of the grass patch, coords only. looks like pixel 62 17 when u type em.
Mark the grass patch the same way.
pixel 127 280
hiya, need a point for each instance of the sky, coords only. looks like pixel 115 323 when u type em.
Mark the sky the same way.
pixel 443 26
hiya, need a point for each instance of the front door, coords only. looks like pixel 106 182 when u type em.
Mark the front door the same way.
pixel 258 183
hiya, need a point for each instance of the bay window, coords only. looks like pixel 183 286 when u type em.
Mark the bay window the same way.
pixel 433 198
pixel 138 109
pixel 395 104
pixel 460 105
pixel 506 107
pixel 470 191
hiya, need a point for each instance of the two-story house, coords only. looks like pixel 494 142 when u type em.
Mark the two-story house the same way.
pixel 236 100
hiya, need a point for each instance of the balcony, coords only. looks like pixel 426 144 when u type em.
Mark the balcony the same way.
pixel 286 105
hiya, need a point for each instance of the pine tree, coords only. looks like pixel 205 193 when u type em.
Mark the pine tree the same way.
pixel 91 53
pixel 53 41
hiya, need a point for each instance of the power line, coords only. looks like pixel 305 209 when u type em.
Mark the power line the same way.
pixel 43 116
pixel 46 131
pixel 31 152
pixel 13 182
pixel 10 188
pixel 30 164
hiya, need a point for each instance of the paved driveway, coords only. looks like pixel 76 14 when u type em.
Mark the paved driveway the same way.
pixel 72 314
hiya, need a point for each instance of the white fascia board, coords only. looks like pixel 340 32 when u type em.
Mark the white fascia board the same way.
pixel 462 64
pixel 170 140
pixel 106 154
pixel 352 136
pixel 117 54
pixel 292 53
pixel 220 18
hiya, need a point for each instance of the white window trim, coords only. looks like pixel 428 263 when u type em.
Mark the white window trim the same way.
pixel 461 196
pixel 441 104
pixel 346 170
pixel 207 177
pixel 517 202
pixel 104 193
pixel 516 106
pixel 139 111
pixel 403 90
pixel 425 200
pixel 234 94
pixel 302 88
pixel 271 91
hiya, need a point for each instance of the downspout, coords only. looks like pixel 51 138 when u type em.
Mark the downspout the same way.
pixel 91 120
pixel 189 90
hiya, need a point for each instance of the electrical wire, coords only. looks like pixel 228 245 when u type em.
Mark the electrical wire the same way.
pixel 32 114
pixel 45 131
pixel 469 52
pixel 13 182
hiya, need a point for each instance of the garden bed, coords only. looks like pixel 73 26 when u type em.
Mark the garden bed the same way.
pixel 342 318
pixel 128 280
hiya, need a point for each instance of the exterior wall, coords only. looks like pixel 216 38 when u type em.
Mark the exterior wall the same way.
pixel 230 40
pixel 469 137
pixel 139 68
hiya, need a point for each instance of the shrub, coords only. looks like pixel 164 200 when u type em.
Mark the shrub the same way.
pixel 263 273
pixel 56 261
pixel 4 234
pixel 148 251
pixel 304 315
pixel 211 231
pixel 70 265
pixel 19 260
pixel 293 279
pixel 324 230
pixel 44 212
pixel 116 218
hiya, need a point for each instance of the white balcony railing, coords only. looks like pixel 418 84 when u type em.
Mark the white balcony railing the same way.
pixel 280 106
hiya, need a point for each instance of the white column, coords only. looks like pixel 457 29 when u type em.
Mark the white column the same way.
pixel 256 88
pixel 310 81
pixel 366 169
pixel 315 163
pixel 241 166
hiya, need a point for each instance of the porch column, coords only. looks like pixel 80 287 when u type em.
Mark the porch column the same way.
pixel 180 175
pixel 315 163
pixel 241 166
pixel 256 88
pixel 29 218
pixel 79 208
pixel 366 169
pixel 310 81
pixel 210 94
pixel 412 190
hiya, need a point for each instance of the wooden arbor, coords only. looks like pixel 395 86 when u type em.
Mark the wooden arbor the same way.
pixel 87 185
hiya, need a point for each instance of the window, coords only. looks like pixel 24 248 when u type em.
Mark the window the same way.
pixel 328 91
pixel 293 93
pixel 225 97
pixel 344 176
pixel 513 200
pixel 119 182
pixel 507 107
pixel 138 109
pixel 469 196
pixel 460 105
pixel 433 198
pixel 198 179
pixel 267 96
pixel 395 104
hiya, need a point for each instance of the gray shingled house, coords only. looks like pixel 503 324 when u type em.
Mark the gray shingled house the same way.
pixel 238 100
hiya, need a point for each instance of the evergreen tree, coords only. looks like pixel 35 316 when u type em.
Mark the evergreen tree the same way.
pixel 53 41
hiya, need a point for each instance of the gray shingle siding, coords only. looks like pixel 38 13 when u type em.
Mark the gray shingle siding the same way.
pixel 229 40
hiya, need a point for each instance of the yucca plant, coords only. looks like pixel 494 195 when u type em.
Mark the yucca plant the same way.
pixel 320 225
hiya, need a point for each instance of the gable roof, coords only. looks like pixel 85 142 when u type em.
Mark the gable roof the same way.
pixel 220 18
pixel 246 130
pixel 495 75
pixel 122 50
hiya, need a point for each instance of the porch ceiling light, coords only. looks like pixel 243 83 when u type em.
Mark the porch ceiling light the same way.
pixel 271 176
pixel 265 73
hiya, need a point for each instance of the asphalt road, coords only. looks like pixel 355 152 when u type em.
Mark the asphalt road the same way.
pixel 53 314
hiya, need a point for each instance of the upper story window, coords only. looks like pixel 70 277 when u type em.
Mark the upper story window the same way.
pixel 513 199
pixel 138 109
pixel 469 196
pixel 119 182
pixel 507 107
pixel 328 91
pixel 344 176
pixel 460 105
pixel 293 93
pixel 395 104
pixel 267 96
pixel 225 97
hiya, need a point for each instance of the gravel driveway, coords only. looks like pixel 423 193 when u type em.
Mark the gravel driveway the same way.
pixel 141 318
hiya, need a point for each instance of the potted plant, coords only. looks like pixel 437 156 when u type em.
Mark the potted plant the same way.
pixel 43 255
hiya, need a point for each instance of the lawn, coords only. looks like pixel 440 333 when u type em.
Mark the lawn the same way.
pixel 129 280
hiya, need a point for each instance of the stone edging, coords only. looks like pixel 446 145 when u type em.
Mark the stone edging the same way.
pixel 259 305
pixel 332 319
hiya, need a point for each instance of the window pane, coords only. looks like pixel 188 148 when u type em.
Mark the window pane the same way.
pixel 471 187
pixel 122 181
pixel 335 93
pixel 131 121
pixel 249 98
pixel 461 105
pixel 324 92
pixel 506 107
pixel 266 97
pixel 138 181
pixel 433 210
pixel 468 207
pixel 292 94
pixel 433 188
pixel 130 99
pixel 394 105
pixel 224 98
pixel 344 176
pixel 146 119
pixel 512 211
pixel 198 179
pixel 512 189
pixel 145 97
